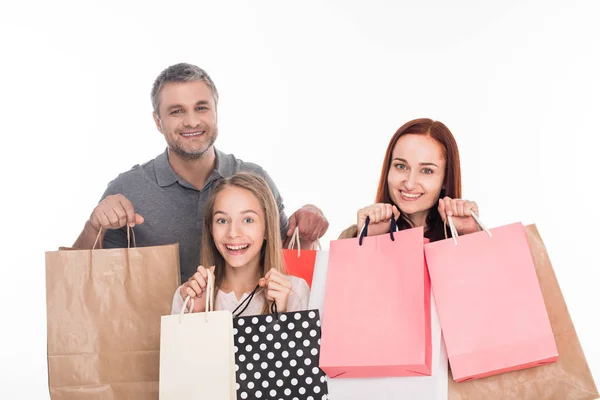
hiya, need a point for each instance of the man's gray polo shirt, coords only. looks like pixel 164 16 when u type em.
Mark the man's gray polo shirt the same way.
pixel 172 208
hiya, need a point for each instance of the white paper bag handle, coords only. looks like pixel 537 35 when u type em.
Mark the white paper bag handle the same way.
pixel 454 232
pixel 210 290
pixel 185 302
pixel 296 239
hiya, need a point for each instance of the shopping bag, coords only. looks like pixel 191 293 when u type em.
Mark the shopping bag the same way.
pixel 568 378
pixel 316 299
pixel 103 317
pixel 277 356
pixel 299 263
pixel 434 387
pixel 196 353
pixel 489 301
pixel 377 314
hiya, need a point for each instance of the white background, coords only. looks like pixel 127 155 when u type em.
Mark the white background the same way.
pixel 312 91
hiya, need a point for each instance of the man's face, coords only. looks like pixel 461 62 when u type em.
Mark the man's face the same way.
pixel 187 117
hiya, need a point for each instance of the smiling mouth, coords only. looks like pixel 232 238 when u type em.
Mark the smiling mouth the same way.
pixel 410 196
pixel 192 134
pixel 236 249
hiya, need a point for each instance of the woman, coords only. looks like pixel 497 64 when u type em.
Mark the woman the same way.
pixel 242 244
pixel 420 184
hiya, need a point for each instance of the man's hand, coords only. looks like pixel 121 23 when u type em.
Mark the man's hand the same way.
pixel 114 212
pixel 311 224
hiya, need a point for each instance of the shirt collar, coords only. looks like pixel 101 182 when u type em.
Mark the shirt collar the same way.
pixel 165 175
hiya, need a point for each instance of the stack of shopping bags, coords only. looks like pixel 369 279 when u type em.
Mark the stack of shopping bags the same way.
pixel 216 355
pixel 382 339
pixel 387 316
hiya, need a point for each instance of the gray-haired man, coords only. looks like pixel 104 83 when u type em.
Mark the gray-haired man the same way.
pixel 165 197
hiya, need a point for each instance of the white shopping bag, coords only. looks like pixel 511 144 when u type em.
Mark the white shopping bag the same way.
pixel 317 291
pixel 434 387
pixel 197 353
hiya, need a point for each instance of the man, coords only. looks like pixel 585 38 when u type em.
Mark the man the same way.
pixel 164 198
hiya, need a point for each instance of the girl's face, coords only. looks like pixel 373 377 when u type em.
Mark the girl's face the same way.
pixel 238 227
pixel 416 175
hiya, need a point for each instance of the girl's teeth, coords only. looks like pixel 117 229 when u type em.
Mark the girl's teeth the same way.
pixel 412 196
pixel 237 247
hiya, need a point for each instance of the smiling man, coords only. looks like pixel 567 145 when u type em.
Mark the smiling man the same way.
pixel 164 198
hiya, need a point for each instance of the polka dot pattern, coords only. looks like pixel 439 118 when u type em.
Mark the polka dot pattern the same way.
pixel 282 362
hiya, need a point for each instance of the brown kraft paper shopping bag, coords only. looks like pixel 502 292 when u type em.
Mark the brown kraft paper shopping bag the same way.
pixel 104 309
pixel 567 379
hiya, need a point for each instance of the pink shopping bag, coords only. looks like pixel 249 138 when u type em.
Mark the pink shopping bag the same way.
pixel 490 303
pixel 377 310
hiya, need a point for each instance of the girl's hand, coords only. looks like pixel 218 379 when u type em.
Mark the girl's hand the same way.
pixel 278 288
pixel 195 287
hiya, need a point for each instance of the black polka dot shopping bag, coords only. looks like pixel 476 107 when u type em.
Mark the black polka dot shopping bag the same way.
pixel 277 356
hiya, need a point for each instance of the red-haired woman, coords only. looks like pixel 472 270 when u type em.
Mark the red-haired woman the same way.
pixel 420 184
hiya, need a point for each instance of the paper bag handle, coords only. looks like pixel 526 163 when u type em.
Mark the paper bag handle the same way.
pixel 210 290
pixel 185 303
pixel 274 310
pixel 245 302
pixel 296 239
pixel 454 232
pixel 128 237
pixel 364 230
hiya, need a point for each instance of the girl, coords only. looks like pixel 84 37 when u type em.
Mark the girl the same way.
pixel 420 184
pixel 242 244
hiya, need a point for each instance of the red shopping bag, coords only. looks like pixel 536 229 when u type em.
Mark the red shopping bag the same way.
pixel 299 263
pixel 489 302
pixel 377 314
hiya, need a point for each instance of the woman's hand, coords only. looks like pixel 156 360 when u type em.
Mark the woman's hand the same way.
pixel 460 211
pixel 379 215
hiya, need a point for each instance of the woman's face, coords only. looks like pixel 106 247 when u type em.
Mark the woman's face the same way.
pixel 416 175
